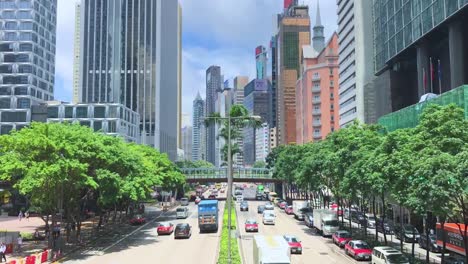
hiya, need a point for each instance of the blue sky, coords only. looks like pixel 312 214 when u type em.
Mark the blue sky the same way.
pixel 215 32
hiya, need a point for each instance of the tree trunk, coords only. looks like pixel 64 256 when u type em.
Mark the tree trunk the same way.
pixel 375 217
pixel 350 216
pixel 384 209
pixel 412 244
pixel 444 242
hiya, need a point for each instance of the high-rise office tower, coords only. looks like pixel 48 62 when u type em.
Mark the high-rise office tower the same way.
pixel 355 57
pixel 198 136
pixel 187 132
pixel 213 86
pixel 223 105
pixel 274 79
pixel 293 34
pixel 238 93
pixel 179 75
pixel 76 54
pixel 261 61
pixel 27 65
pixel 130 54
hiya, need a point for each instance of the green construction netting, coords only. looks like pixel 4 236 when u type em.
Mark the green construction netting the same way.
pixel 409 116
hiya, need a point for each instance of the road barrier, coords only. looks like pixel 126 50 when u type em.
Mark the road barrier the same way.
pixel 38 258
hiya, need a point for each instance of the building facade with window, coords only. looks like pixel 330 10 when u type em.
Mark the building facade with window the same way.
pixel 317 93
pixel 108 118
pixel 27 59
pixel 130 51
pixel 238 98
pixel 198 129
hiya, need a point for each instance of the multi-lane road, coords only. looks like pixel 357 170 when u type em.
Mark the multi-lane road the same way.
pixel 143 245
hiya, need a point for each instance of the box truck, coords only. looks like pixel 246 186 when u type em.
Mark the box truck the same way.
pixel 297 209
pixel 271 250
pixel 326 221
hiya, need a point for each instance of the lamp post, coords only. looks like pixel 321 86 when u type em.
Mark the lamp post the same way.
pixel 229 172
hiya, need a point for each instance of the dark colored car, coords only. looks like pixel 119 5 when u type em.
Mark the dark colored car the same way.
pixel 454 260
pixel 182 231
pixel 384 225
pixel 359 218
pixel 244 206
pixel 309 220
pixel 260 209
pixel 212 196
pixel 432 243
pixel 259 196
pixel 137 220
pixel 341 237
pixel 410 233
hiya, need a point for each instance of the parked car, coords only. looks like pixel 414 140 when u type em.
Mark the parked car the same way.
pixel 410 233
pixel 370 221
pixel 269 206
pixel 182 212
pixel 251 225
pixel 244 206
pixel 432 243
pixel 309 219
pixel 341 237
pixel 359 218
pixel 358 249
pixel 165 228
pixel 347 213
pixel 388 255
pixel 183 230
pixel 384 225
pixel 138 220
pixel 184 201
pixel 294 244
pixel 288 210
pixel 260 209
pixel 283 205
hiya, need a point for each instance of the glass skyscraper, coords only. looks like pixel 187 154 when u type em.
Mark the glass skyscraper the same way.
pixel 27 59
pixel 124 44
pixel 198 129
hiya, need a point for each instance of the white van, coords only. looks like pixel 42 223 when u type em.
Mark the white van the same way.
pixel 388 255
pixel 184 201
pixel 182 212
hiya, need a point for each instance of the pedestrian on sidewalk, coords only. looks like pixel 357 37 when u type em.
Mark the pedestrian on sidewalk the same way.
pixel 19 242
pixel 2 252
pixel 37 236
pixel 20 215
pixel 27 215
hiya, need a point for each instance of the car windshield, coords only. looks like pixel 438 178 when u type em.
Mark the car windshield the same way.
pixel 292 239
pixel 182 226
pixel 268 215
pixel 371 218
pixel 361 246
pixel 331 223
pixel 251 222
pixel 164 224
pixel 410 230
pixel 397 258
pixel 344 235
pixel 306 210
pixel 180 210
pixel 184 199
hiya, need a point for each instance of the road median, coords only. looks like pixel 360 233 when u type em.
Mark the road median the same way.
pixel 223 248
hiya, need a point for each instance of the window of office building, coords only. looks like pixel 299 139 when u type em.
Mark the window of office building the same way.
pixel 99 112
pixel 6 47
pixel 112 126
pixel 5 129
pixel 21 90
pixel 68 111
pixel 97 125
pixel 23 103
pixel 6 69
pixel 85 123
pixel 52 112
pixel 5 91
pixel 5 103
pixel 14 117
pixel 81 112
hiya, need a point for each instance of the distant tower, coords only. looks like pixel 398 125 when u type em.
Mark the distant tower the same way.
pixel 261 62
pixel 318 40
pixel 198 129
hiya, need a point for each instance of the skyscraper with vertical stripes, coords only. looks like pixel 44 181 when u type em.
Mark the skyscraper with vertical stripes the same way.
pixel 124 44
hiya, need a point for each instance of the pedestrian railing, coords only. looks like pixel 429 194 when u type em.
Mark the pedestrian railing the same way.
pixel 221 173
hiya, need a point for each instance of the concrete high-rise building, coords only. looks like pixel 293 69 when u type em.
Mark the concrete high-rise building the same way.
pixel 317 93
pixel 198 128
pixel 187 142
pixel 130 53
pixel 262 142
pixel 76 54
pixel 213 86
pixel 27 65
pixel 274 78
pixel 238 93
pixel 293 33
pixel 179 74
pixel 355 58
pixel 223 106
pixel 261 62
pixel 419 48
pixel 258 102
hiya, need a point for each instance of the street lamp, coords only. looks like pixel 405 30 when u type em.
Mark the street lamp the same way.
pixel 229 173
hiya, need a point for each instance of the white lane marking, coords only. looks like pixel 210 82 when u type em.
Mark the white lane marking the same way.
pixel 130 234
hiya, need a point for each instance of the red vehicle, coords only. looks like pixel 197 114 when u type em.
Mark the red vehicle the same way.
pixel 294 244
pixel 283 205
pixel 197 200
pixel 341 237
pixel 335 208
pixel 288 210
pixel 165 228
pixel 137 220
pixel 251 225
pixel 359 250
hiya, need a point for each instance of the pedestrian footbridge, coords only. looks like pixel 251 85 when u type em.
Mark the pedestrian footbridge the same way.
pixel 220 175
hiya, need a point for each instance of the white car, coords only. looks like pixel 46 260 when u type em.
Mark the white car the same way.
pixel 269 218
pixel 239 198
pixel 269 206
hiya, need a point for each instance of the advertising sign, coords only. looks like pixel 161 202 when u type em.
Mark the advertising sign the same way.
pixel 454 239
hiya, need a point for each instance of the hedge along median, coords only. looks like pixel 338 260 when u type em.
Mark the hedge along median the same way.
pixel 223 248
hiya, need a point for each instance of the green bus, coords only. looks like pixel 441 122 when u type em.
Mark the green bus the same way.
pixel 260 188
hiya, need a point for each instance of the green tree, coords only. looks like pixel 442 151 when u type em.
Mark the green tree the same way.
pixel 260 164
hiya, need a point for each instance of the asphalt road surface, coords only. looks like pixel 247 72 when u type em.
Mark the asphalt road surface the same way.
pixel 143 245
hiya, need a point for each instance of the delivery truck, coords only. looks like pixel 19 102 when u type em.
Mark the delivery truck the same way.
pixel 271 250
pixel 326 221
pixel 297 209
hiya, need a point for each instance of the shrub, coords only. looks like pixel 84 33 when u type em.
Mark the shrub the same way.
pixel 223 249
